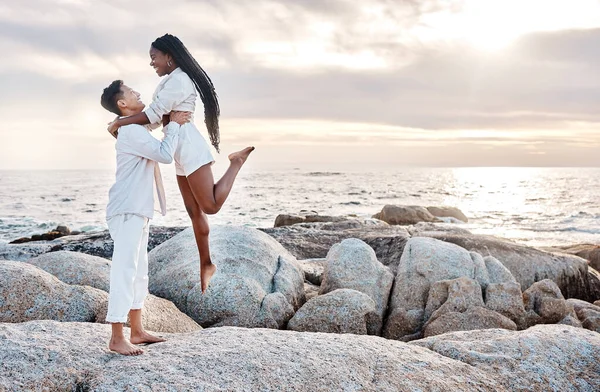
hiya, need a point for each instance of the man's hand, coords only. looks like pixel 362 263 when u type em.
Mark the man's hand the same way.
pixel 181 117
pixel 113 127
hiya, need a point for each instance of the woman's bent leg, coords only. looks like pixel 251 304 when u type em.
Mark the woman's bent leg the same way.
pixel 201 232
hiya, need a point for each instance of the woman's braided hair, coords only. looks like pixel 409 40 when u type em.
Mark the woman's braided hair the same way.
pixel 169 44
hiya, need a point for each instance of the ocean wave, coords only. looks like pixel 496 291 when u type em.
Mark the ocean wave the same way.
pixel 323 174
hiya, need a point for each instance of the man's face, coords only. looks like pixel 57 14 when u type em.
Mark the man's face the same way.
pixel 131 100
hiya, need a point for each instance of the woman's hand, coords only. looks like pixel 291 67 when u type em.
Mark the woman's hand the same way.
pixel 181 117
pixel 113 127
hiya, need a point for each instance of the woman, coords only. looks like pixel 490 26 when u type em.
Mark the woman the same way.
pixel 183 79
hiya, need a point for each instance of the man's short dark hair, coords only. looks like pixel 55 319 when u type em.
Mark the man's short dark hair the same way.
pixel 111 95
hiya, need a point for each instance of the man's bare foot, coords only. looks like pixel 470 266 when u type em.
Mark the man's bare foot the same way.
pixel 145 337
pixel 206 272
pixel 124 347
pixel 241 155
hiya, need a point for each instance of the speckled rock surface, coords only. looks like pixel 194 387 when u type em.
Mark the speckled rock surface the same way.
pixel 313 270
pixel 472 319
pixel 424 262
pixel 340 311
pixel 541 358
pixel 404 215
pixel 258 283
pixel 75 268
pixel 73 356
pixel 352 264
pixel 587 313
pixel 29 293
pixel 529 265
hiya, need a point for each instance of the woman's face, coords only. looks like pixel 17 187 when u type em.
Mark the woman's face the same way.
pixel 160 61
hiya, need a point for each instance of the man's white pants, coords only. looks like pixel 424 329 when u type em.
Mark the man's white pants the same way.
pixel 129 269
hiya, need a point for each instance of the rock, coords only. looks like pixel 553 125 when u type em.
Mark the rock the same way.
pixel 597 303
pixel 443 212
pixel 161 315
pixel 545 304
pixel 533 359
pixel 339 311
pixel 529 265
pixel 305 217
pixel 313 270
pixel 257 284
pixel 589 252
pixel 75 268
pixel 23 252
pixel 29 293
pixel 506 298
pixel 59 356
pixel 101 245
pixel 352 264
pixel 405 215
pixel 497 272
pixel 474 318
pixel 455 295
pixel 43 296
pixel 437 227
pixel 424 262
pixel 588 313
pixel 96 244
pixel 73 356
pixel 310 291
pixel 313 240
pixel 64 230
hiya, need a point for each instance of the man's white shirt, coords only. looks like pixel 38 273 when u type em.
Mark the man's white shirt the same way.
pixel 137 170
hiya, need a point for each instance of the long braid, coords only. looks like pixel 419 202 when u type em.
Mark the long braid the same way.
pixel 172 45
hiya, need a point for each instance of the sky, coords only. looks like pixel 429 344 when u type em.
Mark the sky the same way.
pixel 316 83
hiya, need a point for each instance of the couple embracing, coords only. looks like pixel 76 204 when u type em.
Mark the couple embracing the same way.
pixel 131 198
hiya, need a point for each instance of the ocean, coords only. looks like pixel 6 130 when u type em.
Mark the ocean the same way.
pixel 533 206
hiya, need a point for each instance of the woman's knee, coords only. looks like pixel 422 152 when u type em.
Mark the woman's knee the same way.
pixel 210 208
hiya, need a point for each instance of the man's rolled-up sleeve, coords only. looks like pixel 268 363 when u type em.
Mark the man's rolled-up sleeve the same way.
pixel 172 94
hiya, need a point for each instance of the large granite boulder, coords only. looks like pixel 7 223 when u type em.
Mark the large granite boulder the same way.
pixel 23 252
pixel 529 265
pixel 42 296
pixel 29 293
pixel 405 215
pixel 533 359
pixel 339 311
pixel 46 355
pixel 75 268
pixel 352 264
pixel 258 283
pixel 424 262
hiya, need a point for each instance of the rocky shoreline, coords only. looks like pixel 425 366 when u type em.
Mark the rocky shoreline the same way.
pixel 408 279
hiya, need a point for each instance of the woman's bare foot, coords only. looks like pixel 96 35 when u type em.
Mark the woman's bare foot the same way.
pixel 124 347
pixel 206 272
pixel 145 337
pixel 241 156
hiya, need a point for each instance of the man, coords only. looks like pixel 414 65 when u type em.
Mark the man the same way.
pixel 130 206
